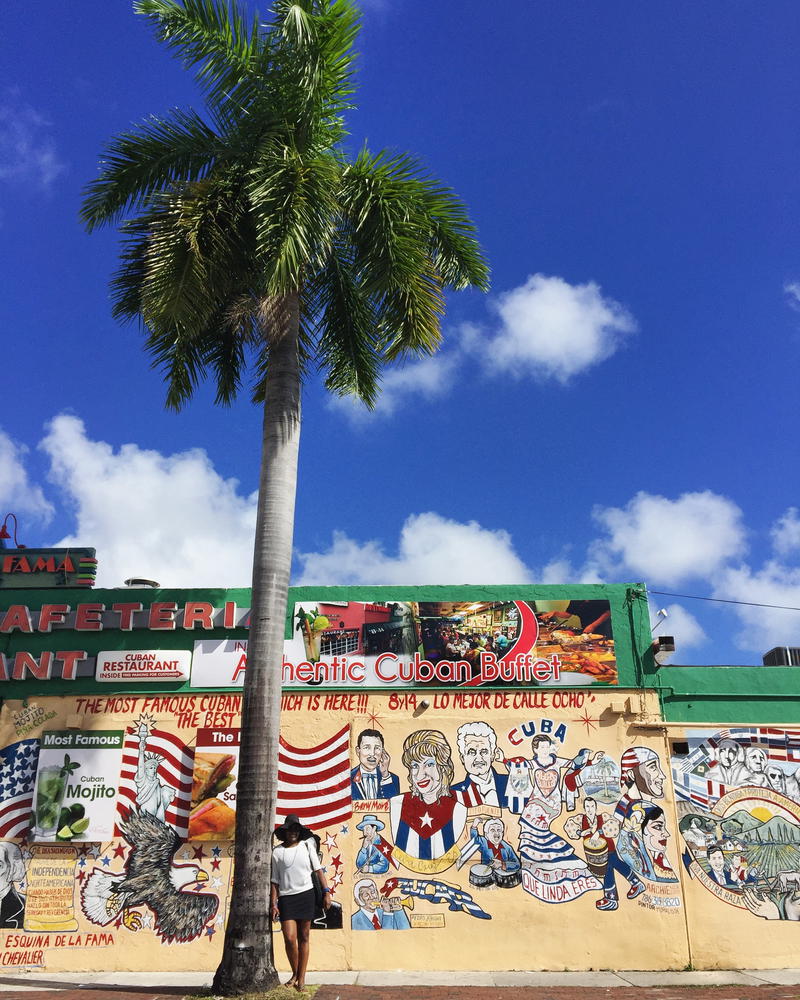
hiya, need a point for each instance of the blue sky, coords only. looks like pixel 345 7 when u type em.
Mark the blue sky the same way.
pixel 621 406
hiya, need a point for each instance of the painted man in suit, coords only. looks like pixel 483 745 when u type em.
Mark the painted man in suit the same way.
pixel 477 745
pixel 372 779
pixel 12 870
pixel 371 915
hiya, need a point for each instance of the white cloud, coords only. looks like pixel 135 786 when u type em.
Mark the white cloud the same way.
pixel 17 493
pixel 432 549
pixel 548 329
pixel 763 627
pixel 27 151
pixel 427 378
pixel 552 329
pixel 679 623
pixel 667 541
pixel 792 291
pixel 171 518
pixel 786 532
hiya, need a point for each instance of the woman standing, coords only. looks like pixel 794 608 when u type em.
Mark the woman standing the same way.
pixel 292 892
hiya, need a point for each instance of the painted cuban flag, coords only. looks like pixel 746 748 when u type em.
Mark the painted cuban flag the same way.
pixel 17 778
pixel 426 831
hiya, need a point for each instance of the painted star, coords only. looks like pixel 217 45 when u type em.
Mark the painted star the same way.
pixel 216 883
pixel 215 864
pixel 147 920
pixel 374 718
pixel 337 879
pixel 426 820
pixel 345 829
pixel 337 862
pixel 106 860
pixel 210 931
pixel 81 876
pixel 82 862
pixel 119 851
pixel 587 721
pixel 185 855
pixel 199 853
pixel 216 851
pixel 94 850
pixel 330 842
pixel 220 919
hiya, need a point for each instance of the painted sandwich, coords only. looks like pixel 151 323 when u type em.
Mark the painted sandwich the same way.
pixel 211 818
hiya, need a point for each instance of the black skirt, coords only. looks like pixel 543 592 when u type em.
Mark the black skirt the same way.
pixel 297 906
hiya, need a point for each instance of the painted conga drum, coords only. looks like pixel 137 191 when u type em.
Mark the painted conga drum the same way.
pixel 596 850
pixel 480 876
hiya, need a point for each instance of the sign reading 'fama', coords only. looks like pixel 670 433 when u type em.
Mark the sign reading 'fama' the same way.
pixel 47 567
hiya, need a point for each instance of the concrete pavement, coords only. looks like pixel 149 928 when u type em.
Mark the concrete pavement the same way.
pixel 746 984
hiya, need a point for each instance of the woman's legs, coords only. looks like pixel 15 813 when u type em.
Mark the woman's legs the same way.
pixel 289 929
pixel 303 931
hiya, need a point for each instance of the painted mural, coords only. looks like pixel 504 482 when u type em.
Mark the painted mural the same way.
pixel 738 799
pixel 462 814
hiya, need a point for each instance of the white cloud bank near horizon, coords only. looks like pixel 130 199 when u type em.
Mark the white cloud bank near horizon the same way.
pixel 174 519
pixel 546 329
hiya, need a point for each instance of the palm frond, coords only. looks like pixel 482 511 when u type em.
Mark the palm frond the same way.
pixel 294 204
pixel 456 251
pixel 224 47
pixel 347 349
pixel 138 163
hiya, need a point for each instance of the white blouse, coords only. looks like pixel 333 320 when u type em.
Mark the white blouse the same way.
pixel 292 867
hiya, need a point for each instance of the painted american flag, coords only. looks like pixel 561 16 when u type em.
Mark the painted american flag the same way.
pixel 17 778
pixel 175 770
pixel 314 782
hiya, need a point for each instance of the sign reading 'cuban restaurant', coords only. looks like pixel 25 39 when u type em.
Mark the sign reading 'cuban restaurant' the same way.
pixel 128 665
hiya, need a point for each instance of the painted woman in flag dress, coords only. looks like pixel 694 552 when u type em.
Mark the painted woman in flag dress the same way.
pixel 551 870
pixel 428 820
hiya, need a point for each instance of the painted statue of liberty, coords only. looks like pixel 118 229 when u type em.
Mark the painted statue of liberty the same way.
pixel 153 796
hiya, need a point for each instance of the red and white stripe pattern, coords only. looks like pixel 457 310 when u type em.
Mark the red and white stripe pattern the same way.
pixel 314 782
pixel 17 776
pixel 175 770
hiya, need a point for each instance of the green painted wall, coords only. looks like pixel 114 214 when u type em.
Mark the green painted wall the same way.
pixel 721 694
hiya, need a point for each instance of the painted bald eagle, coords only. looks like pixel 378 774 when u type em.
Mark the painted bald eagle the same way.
pixel 151 878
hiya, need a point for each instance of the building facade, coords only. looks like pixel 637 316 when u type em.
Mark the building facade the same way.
pixel 503 772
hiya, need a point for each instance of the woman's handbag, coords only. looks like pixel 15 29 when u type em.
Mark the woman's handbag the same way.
pixel 319 894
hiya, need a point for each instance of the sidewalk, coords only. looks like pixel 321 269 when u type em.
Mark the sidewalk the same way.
pixel 748 984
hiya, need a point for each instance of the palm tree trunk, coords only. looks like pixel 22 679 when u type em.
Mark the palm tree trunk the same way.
pixel 247 960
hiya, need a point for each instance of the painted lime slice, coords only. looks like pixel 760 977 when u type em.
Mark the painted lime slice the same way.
pixel 80 825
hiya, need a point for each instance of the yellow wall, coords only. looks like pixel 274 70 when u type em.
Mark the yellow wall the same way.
pixel 522 932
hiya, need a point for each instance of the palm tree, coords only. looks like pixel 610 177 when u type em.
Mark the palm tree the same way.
pixel 252 245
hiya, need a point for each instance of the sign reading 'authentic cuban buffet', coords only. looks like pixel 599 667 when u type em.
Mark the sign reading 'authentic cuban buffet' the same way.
pixel 412 644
